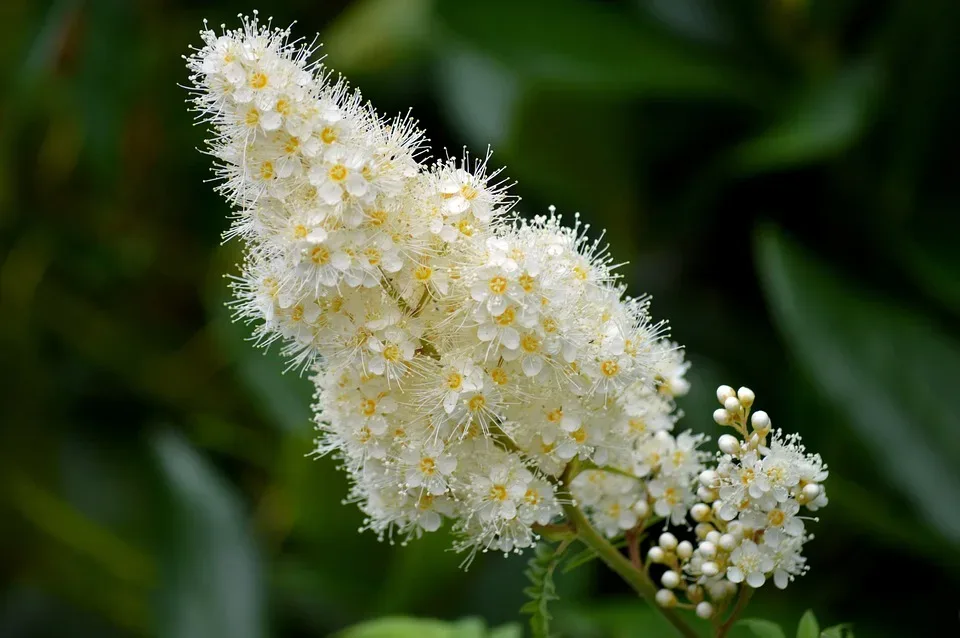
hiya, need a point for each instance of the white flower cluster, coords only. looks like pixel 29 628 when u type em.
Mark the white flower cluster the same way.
pixel 462 356
pixel 748 518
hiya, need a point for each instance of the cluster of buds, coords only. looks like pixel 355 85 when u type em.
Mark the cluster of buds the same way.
pixel 750 525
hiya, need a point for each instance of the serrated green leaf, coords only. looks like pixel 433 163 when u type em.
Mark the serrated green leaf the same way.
pixel 891 371
pixel 211 583
pixel 808 627
pixel 588 47
pixel 542 589
pixel 761 628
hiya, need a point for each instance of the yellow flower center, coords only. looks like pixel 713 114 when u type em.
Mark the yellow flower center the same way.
pixel 499 376
pixel 291 146
pixel 465 228
pixel 454 380
pixel 373 255
pixel 554 416
pixel 506 317
pixel 319 255
pixel 328 135
pixel 422 273
pixel 252 118
pixel 258 80
pixel 368 407
pixel 579 435
pixel 297 313
pixel 378 217
pixel 364 434
pixel 580 273
pixel 392 352
pixel 637 425
pixel 610 368
pixel 746 476
pixel 776 518
pixel 300 231
pixel 498 493
pixel 338 172
pixel 498 285
pixel 428 466
pixel 266 170
pixel 530 343
pixel 549 325
pixel 469 192
pixel 532 497
pixel 526 282
pixel 477 402
pixel 283 107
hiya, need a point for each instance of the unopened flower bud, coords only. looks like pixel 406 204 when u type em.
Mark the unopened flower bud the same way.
pixel 700 512
pixel 728 444
pixel 811 491
pixel 656 554
pixel 666 598
pixel 707 549
pixel 670 579
pixel 710 569
pixel 706 495
pixel 760 420
pixel 708 478
pixel 713 537
pixel 702 530
pixel 641 508
pixel 728 542
pixel 724 392
pixel 731 405
pixel 746 397
pixel 668 541
pixel 721 416
pixel 685 550
pixel 704 609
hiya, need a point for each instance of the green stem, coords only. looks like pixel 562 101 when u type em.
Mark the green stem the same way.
pixel 619 563
pixel 745 593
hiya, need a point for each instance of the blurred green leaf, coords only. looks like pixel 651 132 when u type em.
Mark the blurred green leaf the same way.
pixel 823 121
pixel 210 577
pixel 372 35
pixel 808 627
pixel 889 370
pixel 587 47
pixel 838 631
pixel 621 619
pixel 399 627
pixel 760 628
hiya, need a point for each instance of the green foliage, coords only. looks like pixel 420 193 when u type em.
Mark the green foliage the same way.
pixel 808 627
pixel 838 631
pixel 899 395
pixel 399 627
pixel 758 628
pixel 541 590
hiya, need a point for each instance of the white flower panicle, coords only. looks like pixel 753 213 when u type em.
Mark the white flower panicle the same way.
pixel 750 522
pixel 463 358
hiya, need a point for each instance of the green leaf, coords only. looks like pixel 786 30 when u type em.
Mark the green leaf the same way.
pixel 808 627
pixel 823 121
pixel 761 628
pixel 373 35
pixel 401 627
pixel 622 619
pixel 838 631
pixel 889 370
pixel 541 590
pixel 210 582
pixel 588 47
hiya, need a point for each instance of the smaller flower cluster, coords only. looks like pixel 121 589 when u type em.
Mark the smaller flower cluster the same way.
pixel 749 515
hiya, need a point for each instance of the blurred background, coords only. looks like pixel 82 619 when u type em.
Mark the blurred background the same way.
pixel 780 174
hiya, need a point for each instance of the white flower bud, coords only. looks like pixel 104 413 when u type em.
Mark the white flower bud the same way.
pixel 668 541
pixel 746 397
pixel 708 478
pixel 731 405
pixel 656 554
pixel 694 593
pixel 700 512
pixel 728 444
pixel 710 569
pixel 713 537
pixel 706 495
pixel 641 508
pixel 707 549
pixel 721 416
pixel 670 579
pixel 685 550
pixel 811 491
pixel 724 392
pixel 760 420
pixel 704 610
pixel 666 598
pixel 728 542
pixel 703 529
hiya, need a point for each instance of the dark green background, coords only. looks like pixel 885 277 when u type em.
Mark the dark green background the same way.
pixel 781 176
